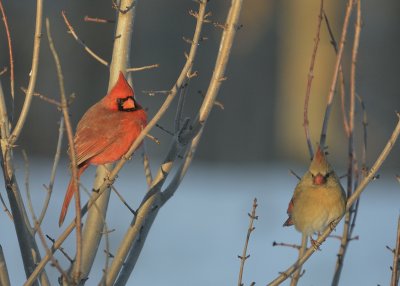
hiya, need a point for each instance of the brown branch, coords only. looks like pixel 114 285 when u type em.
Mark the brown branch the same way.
pixel 121 198
pixel 341 77
pixel 351 213
pixel 310 79
pixel 98 20
pixel 125 10
pixel 146 166
pixel 10 52
pixel 72 153
pixel 87 49
pixel 396 257
pixel 142 68
pixel 43 97
pixel 250 229
pixel 4 277
pixel 33 76
pixel 3 71
pixel 295 246
pixel 335 73
pixel 49 188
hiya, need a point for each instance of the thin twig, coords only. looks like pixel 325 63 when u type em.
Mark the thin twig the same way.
pixel 165 130
pixel 356 194
pixel 121 198
pixel 87 49
pixel 47 249
pixel 61 249
pixel 72 153
pixel 142 68
pixel 5 208
pixel 335 73
pixel 98 20
pixel 3 71
pixel 154 139
pixel 309 81
pixel 43 97
pixel 396 257
pixel 56 160
pixel 10 51
pixel 295 246
pixel 341 77
pixel 250 229
pixel 216 103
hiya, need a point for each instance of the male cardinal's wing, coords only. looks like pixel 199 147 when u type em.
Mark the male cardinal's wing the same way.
pixel 94 133
pixel 89 143
pixel 289 221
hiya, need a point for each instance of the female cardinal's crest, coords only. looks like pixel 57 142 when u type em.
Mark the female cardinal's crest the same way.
pixel 319 163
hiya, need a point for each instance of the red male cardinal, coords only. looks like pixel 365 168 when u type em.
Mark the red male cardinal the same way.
pixel 106 131
pixel 318 198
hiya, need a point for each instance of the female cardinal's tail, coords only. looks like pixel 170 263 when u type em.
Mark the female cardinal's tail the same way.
pixel 68 196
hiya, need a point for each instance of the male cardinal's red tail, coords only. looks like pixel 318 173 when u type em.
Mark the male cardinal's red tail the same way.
pixel 68 196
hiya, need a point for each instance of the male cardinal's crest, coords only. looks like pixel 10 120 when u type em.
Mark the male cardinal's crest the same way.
pixel 106 131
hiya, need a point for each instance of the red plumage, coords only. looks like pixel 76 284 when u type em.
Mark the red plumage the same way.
pixel 106 131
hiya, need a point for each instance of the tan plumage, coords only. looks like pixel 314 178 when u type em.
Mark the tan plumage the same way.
pixel 318 198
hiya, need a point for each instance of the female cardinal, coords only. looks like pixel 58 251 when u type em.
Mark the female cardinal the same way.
pixel 106 131
pixel 318 198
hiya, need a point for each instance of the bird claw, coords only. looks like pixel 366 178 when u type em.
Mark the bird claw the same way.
pixel 315 244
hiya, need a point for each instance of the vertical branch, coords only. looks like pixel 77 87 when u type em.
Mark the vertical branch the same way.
pixel 10 51
pixel 335 73
pixel 4 278
pixel 347 230
pixel 28 247
pixel 49 188
pixel 72 154
pixel 94 225
pixel 396 256
pixel 244 255
pixel 297 274
pixel 309 82
pixel 33 75
pixel 146 166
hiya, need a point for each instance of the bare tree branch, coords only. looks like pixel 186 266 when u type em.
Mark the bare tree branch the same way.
pixel 49 188
pixel 87 49
pixel 10 50
pixel 250 229
pixel 309 81
pixel 351 172
pixel 396 256
pixel 4 278
pixel 335 73
pixel 72 154
pixel 33 75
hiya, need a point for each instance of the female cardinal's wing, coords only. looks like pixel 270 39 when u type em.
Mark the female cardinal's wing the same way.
pixel 289 221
